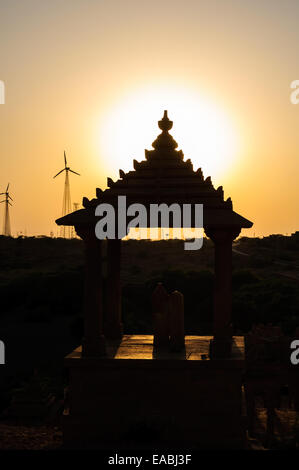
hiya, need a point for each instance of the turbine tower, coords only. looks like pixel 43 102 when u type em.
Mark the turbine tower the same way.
pixel 6 221
pixel 65 231
pixel 75 208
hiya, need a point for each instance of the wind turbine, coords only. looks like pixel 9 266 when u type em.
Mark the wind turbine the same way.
pixel 6 223
pixel 65 231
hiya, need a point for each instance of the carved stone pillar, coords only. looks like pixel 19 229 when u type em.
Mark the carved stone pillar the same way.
pixel 176 321
pixel 222 238
pixel 160 316
pixel 93 341
pixel 113 325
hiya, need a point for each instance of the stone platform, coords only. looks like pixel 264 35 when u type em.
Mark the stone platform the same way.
pixel 137 397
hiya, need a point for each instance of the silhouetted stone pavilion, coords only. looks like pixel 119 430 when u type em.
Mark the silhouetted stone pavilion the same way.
pixel 163 177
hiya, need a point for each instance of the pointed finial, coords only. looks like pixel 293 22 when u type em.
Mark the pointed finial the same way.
pixel 165 140
pixel 165 124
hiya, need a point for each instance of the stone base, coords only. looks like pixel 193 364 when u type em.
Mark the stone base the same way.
pixel 220 348
pixel 138 397
pixel 94 347
pixel 113 330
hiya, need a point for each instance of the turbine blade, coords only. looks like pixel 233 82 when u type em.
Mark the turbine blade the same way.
pixel 75 172
pixel 2 201
pixel 59 173
pixel 9 203
pixel 7 187
pixel 64 158
pixel 10 197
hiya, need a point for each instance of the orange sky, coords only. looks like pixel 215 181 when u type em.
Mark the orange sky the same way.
pixel 68 66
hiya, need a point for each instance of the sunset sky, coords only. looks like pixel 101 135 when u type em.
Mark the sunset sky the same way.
pixel 93 77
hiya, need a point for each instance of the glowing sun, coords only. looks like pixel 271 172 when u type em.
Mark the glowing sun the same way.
pixel 204 132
